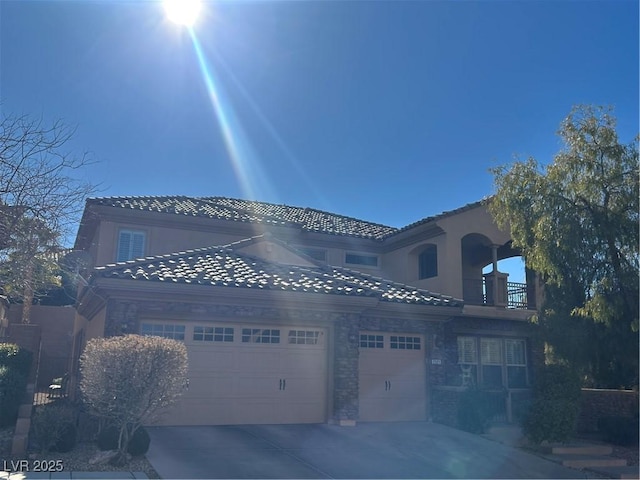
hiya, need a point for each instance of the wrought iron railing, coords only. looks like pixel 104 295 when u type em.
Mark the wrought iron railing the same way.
pixel 474 292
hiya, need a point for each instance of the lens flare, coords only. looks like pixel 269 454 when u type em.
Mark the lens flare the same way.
pixel 182 12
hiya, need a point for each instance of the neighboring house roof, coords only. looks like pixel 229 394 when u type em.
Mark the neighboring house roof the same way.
pixel 225 266
pixel 308 219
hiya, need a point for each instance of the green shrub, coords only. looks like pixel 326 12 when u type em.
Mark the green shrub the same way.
pixel 555 407
pixel 619 430
pixel 15 358
pixel 138 444
pixel 54 427
pixel 67 440
pixel 12 387
pixel 477 407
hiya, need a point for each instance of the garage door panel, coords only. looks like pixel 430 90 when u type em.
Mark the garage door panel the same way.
pixel 392 380
pixel 210 386
pixel 207 359
pixel 259 375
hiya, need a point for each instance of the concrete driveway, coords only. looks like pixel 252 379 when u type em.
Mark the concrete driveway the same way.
pixel 369 450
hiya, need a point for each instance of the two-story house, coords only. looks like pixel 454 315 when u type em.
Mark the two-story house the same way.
pixel 295 315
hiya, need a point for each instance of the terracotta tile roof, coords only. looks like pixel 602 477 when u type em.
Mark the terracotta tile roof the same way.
pixel 225 267
pixel 442 215
pixel 308 219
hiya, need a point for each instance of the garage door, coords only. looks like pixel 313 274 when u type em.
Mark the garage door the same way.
pixel 248 374
pixel 392 377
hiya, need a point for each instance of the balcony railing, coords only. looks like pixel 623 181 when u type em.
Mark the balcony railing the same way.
pixel 475 293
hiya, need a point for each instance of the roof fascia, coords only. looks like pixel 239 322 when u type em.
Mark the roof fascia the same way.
pixel 207 294
pixel 414 312
pixel 412 236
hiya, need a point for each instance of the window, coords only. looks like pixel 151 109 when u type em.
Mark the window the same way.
pixel 467 361
pixel 315 253
pixel 303 337
pixel 213 334
pixel 130 245
pixel 428 262
pixel 516 363
pixel 260 335
pixel 357 259
pixel 175 332
pixel 404 343
pixel 371 341
pixel 490 362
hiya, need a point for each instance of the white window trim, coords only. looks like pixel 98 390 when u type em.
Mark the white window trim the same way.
pixel 131 253
pixel 478 355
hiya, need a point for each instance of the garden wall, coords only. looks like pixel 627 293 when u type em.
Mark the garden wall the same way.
pixel 55 325
pixel 595 404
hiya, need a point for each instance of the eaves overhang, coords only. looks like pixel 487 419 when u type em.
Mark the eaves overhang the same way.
pixel 134 290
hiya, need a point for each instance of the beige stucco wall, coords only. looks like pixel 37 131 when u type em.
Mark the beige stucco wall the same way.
pixel 402 264
pixel 159 240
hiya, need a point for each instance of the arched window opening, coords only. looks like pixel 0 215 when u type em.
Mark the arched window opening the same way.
pixel 428 262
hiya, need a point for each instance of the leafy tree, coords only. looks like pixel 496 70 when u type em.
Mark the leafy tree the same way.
pixel 128 380
pixel 576 223
pixel 41 196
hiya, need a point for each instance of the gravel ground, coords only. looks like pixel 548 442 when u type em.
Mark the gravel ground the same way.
pixel 78 458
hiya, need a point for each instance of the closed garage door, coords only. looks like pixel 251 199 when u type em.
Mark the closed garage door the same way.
pixel 392 377
pixel 248 374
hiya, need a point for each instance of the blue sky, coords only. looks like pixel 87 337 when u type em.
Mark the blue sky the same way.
pixel 384 111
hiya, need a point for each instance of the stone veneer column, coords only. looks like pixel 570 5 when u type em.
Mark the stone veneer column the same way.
pixel 345 396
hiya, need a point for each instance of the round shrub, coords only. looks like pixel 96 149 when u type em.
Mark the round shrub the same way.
pixel 52 425
pixel 67 440
pixel 12 387
pixel 555 407
pixel 139 444
pixel 15 358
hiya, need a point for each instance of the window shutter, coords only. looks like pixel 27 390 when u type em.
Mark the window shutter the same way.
pixel 130 245
pixel 490 351
pixel 137 246
pixel 467 350
pixel 124 246
pixel 514 351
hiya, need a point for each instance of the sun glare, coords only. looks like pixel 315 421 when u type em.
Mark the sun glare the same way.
pixel 182 12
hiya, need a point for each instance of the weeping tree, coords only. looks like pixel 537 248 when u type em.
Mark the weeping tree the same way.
pixel 129 380
pixel 41 198
pixel 576 222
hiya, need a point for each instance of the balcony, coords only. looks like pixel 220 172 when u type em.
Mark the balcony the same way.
pixel 510 294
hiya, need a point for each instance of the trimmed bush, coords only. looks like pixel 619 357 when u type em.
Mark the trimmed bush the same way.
pixel 138 444
pixel 619 430
pixel 12 387
pixel 54 427
pixel 15 358
pixel 129 380
pixel 555 407
pixel 67 440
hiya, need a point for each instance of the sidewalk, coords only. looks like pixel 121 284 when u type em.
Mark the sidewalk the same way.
pixel 72 475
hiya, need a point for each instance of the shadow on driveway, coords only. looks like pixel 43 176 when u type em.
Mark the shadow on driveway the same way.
pixel 369 450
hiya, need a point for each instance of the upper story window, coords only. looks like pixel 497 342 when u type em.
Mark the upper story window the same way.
pixel 315 253
pixel 130 245
pixel 428 262
pixel 360 259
